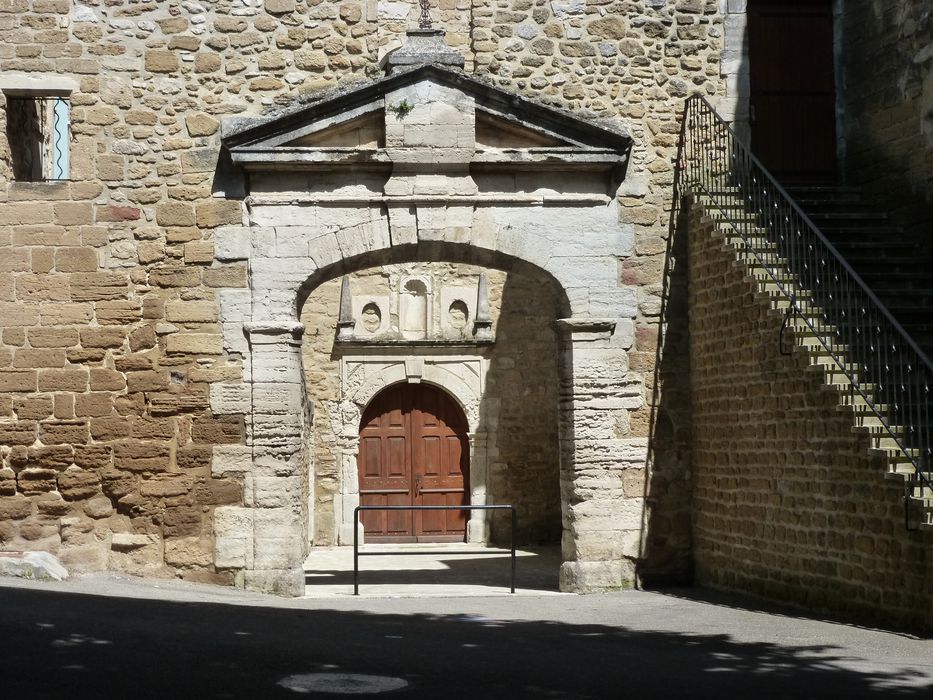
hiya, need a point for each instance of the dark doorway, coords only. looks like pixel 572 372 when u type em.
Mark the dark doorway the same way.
pixel 793 88
pixel 414 451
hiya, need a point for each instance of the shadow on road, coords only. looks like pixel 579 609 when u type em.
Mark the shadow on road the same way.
pixel 72 645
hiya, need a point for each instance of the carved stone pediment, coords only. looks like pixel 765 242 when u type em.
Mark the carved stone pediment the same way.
pixel 428 114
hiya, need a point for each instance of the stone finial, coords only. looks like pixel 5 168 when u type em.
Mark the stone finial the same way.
pixel 345 322
pixel 425 46
pixel 425 21
pixel 482 323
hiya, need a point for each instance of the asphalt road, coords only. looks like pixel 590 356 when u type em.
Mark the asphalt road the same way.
pixel 110 638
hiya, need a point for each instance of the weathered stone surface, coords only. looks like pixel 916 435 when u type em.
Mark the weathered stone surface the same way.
pixel 39 566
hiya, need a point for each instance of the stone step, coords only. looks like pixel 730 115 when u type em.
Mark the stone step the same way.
pixel 845 214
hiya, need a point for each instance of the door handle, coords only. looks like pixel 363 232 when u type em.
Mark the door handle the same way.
pixel 418 483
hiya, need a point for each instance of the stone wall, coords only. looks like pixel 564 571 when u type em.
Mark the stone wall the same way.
pixel 518 410
pixel 111 346
pixel 887 60
pixel 789 503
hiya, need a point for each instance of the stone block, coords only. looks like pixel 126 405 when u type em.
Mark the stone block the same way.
pixel 103 337
pixel 39 288
pixel 231 460
pixel 18 433
pixel 286 582
pixel 278 552
pixel 158 61
pixel 194 344
pixel 66 314
pixel 64 432
pixel 200 124
pixel 33 407
pixel 277 491
pixel 217 431
pixel 53 337
pixel 98 286
pixel 230 398
pixel 175 214
pixel 191 311
pixel 18 380
pixel 232 243
pixel 199 252
pixel 188 552
pixel 220 212
pixel 27 358
pixel 225 276
pixel 137 456
pixel 174 276
pixel 136 553
pixel 117 313
pixel 78 484
pixel 63 380
pixel 32 481
pixel 590 576
pixel 96 404
pixel 235 305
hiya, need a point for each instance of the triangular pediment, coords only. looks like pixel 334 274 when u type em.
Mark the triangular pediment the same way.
pixel 354 119
pixel 494 132
pixel 367 131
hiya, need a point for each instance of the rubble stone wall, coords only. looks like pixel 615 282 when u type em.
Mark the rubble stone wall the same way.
pixel 789 502
pixel 112 353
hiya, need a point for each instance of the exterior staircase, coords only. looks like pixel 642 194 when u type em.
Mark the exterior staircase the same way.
pixel 857 297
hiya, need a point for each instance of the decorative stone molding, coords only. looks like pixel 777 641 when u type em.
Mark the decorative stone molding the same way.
pixel 363 377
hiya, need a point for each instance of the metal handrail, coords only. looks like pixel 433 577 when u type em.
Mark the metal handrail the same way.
pixel 883 364
pixel 356 533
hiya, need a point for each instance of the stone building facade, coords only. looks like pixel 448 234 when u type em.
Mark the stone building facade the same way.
pixel 274 209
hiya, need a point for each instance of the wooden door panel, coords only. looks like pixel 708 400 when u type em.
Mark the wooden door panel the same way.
pixel 792 79
pixel 413 452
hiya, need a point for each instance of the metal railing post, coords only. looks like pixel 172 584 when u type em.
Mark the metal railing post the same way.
pixel 514 522
pixel 356 551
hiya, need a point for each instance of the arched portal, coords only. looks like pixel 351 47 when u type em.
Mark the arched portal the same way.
pixel 436 192
pixel 414 451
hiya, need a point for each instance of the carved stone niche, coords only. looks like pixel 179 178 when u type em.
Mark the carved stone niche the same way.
pixel 415 313
pixel 415 305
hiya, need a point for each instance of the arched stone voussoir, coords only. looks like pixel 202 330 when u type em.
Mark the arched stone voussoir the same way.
pixel 460 390
pixel 422 251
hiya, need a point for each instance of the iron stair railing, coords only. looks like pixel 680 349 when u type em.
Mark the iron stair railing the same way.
pixel 884 367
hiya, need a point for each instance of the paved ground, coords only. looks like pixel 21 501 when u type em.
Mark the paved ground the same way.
pixel 107 637
pixel 420 570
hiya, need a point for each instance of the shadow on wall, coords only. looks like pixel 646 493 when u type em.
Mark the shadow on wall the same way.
pixel 520 407
pixel 888 72
pixel 666 542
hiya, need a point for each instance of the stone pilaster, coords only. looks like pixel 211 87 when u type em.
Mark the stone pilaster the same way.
pixel 599 521
pixel 478 524
pixel 279 465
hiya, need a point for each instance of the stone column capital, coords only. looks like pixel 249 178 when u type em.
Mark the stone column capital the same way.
pixel 272 332
pixel 580 328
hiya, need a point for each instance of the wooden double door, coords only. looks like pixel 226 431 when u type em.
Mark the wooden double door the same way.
pixel 414 450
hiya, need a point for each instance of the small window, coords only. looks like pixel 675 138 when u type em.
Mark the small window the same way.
pixel 37 129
